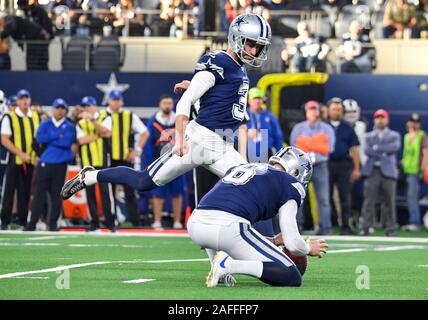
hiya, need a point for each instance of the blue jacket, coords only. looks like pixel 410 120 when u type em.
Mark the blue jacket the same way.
pixel 57 141
pixel 382 153
pixel 265 120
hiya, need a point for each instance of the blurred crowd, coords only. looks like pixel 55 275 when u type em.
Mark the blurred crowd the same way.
pixel 354 22
pixel 354 183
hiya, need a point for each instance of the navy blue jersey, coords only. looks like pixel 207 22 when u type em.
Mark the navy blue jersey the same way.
pixel 224 105
pixel 254 192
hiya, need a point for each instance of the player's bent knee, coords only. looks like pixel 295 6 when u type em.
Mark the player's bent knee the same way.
pixel 276 274
pixel 144 182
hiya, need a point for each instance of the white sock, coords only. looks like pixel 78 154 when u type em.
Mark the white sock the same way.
pixel 210 253
pixel 251 268
pixel 91 178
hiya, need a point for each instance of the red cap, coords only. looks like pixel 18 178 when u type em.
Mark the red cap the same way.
pixel 381 113
pixel 312 104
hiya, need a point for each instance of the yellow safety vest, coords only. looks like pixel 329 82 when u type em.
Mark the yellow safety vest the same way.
pixel 23 132
pixel 121 134
pixel 92 154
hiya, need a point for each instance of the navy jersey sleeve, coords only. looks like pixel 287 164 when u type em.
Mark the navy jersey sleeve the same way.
pixel 211 62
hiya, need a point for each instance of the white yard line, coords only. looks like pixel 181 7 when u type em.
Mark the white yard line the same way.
pixel 71 245
pixel 397 248
pixel 374 239
pixel 99 234
pixel 50 237
pixel 88 264
pixel 185 235
pixel 347 250
pixel 37 278
pixel 138 280
pixel 60 268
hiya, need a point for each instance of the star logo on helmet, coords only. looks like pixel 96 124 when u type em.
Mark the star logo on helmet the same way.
pixel 307 166
pixel 240 20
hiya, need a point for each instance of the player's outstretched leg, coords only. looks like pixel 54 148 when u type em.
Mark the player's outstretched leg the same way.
pixel 139 180
pixel 273 273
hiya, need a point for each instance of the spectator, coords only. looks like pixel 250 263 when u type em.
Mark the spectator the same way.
pixel 344 162
pixel 162 25
pixel 309 50
pixel 17 131
pixel 264 132
pixel 22 30
pixel 399 18
pixel 258 7
pixel 37 50
pixel 83 26
pixel 56 134
pixel 317 138
pixel 181 19
pixel 380 170
pixel 332 8
pixel 422 18
pixel 124 125
pixel 414 162
pixel 37 14
pixel 356 52
pixel 161 129
pixel 92 133
pixel 63 13
pixel 130 22
pixel 4 46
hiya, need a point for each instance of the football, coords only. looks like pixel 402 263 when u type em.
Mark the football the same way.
pixel 300 261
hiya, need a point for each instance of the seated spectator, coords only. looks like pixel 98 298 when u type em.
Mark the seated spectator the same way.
pixel 399 18
pixel 332 8
pixel 128 21
pixel 4 47
pixel 422 18
pixel 83 26
pixel 177 28
pixel 355 52
pixel 258 6
pixel 64 16
pixel 278 4
pixel 309 50
pixel 161 24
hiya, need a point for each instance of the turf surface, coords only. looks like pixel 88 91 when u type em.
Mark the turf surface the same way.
pixel 397 270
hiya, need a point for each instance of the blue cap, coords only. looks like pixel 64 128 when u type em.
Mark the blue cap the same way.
pixel 23 93
pixel 11 100
pixel 115 95
pixel 59 103
pixel 88 101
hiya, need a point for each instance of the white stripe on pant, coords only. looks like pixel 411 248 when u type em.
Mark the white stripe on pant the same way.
pixel 223 231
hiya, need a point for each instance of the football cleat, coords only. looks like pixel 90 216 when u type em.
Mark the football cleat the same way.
pixel 228 280
pixel 218 269
pixel 71 187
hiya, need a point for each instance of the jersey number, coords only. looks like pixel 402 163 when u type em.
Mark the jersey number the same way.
pixel 238 110
pixel 242 174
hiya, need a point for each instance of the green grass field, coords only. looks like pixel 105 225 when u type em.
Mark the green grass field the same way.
pixel 99 266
